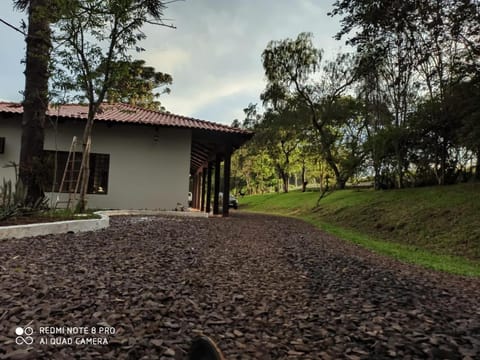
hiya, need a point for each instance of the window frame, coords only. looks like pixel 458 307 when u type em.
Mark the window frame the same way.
pixel 98 177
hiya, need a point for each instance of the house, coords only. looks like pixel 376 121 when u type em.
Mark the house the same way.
pixel 140 159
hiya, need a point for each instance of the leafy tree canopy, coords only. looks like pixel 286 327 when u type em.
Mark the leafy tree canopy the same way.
pixel 95 41
pixel 94 38
pixel 135 83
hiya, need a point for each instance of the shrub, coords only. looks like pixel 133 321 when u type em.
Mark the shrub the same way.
pixel 13 201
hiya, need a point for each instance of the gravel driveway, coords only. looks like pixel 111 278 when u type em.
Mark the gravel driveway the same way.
pixel 263 287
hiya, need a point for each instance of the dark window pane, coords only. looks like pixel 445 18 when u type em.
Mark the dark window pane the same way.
pixel 98 179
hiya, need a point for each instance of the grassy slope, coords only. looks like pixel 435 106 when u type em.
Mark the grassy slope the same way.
pixel 438 227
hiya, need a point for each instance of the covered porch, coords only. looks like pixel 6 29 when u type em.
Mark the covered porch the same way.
pixel 209 151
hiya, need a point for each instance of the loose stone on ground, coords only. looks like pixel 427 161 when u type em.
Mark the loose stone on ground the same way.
pixel 263 287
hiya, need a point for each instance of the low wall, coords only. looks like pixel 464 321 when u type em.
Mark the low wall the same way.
pixel 73 226
pixel 57 227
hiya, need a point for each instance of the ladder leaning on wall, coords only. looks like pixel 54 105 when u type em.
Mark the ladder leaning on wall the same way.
pixel 72 175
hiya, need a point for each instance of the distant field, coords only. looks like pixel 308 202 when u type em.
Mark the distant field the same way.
pixel 438 227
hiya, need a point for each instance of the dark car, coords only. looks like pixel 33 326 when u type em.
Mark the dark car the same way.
pixel 232 201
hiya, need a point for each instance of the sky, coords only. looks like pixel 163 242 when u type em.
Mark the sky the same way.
pixel 213 55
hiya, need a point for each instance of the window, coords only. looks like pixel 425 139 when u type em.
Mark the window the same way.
pixel 97 181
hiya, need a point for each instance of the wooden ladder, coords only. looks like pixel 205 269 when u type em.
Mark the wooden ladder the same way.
pixel 72 175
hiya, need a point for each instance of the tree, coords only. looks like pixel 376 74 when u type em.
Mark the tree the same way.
pixel 134 83
pixel 377 116
pixel 95 36
pixel 35 103
pixel 465 27
pixel 280 131
pixel 383 44
pixel 280 141
pixel 253 169
pixel 465 106
pixel 291 66
pixel 419 50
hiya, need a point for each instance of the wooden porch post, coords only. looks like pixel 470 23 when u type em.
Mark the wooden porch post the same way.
pixel 202 200
pixel 217 185
pixel 194 191
pixel 199 190
pixel 226 182
pixel 209 187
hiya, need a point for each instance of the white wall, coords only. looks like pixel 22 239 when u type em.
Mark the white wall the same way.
pixel 143 174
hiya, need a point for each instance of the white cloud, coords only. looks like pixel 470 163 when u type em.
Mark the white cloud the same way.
pixel 214 55
pixel 168 60
pixel 194 99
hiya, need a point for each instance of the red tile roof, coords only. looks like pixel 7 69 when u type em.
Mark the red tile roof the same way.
pixel 129 114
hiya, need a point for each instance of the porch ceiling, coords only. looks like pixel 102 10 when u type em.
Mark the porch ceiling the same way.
pixel 207 144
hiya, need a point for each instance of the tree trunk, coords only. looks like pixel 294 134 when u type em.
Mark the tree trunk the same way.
pixel 82 202
pixel 284 178
pixel 443 162
pixel 283 175
pixel 376 179
pixel 35 103
pixel 285 182
pixel 477 168
pixel 341 182
pixel 87 139
pixel 304 180
pixel 399 169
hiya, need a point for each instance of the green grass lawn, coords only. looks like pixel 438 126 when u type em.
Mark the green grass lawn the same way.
pixel 437 227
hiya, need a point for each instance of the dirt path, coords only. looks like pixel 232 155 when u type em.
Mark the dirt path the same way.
pixel 263 287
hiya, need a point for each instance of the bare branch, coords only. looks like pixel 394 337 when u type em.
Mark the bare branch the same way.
pixel 13 27
pixel 151 22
